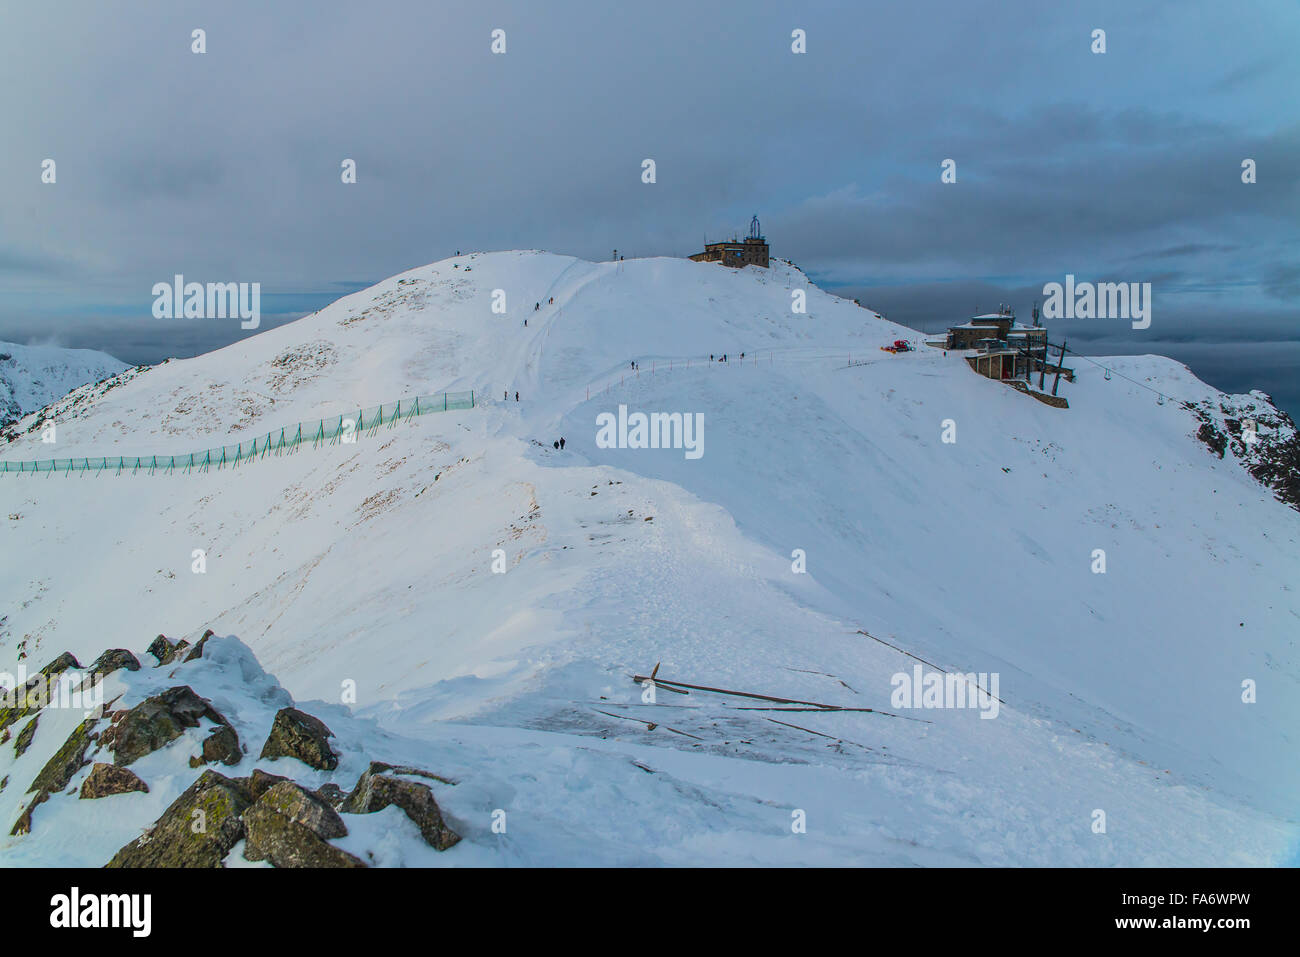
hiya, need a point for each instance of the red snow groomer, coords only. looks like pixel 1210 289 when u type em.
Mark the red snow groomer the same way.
pixel 900 345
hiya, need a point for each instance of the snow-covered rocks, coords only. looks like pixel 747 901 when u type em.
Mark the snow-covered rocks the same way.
pixel 34 376
pixel 274 818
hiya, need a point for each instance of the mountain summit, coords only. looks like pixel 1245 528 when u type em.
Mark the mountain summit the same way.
pixel 859 530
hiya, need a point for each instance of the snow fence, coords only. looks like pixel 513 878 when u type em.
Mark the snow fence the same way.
pixel 340 429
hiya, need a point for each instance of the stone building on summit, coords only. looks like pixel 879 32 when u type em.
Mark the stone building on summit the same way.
pixel 737 253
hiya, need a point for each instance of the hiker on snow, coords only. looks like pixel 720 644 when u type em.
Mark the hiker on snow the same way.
pixel 555 445
pixel 561 442
pixel 516 396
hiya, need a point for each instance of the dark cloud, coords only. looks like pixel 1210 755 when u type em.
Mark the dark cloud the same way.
pixel 1124 166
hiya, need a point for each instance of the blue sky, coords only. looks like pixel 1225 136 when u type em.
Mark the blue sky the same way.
pixel 1122 166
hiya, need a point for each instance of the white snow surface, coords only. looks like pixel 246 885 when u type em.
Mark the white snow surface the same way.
pixel 371 563
pixel 31 377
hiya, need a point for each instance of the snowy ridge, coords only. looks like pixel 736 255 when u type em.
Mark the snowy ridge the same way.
pixel 373 564
pixel 34 376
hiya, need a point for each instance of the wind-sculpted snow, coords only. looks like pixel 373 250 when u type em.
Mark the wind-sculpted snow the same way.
pixel 466 584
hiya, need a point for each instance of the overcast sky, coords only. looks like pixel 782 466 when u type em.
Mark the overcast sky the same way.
pixel 225 166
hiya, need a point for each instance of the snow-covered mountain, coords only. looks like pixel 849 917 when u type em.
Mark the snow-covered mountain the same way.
pixel 457 595
pixel 32 377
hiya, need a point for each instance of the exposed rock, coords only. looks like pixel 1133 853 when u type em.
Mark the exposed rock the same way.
pixel 262 781
pixel 303 807
pixel 155 722
pixel 25 737
pixel 35 694
pixel 376 791
pixel 1269 451
pixel 24 823
pixel 110 661
pixel 107 779
pixel 113 660
pixel 331 794
pixel 58 771
pixel 380 767
pixel 290 827
pixel 197 830
pixel 296 734
pixel 162 649
pixel 60 665
pixel 67 761
pixel 221 745
pixel 197 650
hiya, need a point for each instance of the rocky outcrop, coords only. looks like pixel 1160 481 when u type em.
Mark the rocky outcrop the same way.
pixel 67 761
pixel 1261 438
pixel 113 660
pixel 60 664
pixel 197 830
pixel 197 650
pixel 262 781
pixel 331 794
pixel 155 722
pixel 110 661
pixel 24 740
pixel 35 694
pixel 290 827
pixel 376 790
pixel 296 734
pixel 57 773
pixel 221 745
pixel 162 649
pixel 109 779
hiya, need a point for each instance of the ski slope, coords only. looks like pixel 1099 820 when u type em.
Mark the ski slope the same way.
pixel 372 563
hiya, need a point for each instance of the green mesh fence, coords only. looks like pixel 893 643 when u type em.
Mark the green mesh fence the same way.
pixel 340 429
